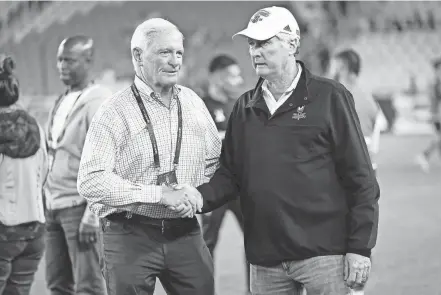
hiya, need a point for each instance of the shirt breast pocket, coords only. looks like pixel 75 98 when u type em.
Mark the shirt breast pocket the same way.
pixel 137 151
pixel 193 139
pixel 302 141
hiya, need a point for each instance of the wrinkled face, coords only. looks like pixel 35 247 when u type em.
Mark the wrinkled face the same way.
pixel 162 60
pixel 338 70
pixel 72 65
pixel 269 57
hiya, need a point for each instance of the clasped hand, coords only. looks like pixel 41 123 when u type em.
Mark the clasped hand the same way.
pixel 182 199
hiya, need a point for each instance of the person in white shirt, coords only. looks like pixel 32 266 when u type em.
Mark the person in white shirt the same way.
pixel 72 259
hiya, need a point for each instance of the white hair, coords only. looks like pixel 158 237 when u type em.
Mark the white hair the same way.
pixel 145 33
pixel 290 40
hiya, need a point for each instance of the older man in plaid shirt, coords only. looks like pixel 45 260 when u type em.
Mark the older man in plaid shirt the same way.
pixel 142 142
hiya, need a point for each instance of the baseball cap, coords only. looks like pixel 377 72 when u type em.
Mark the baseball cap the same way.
pixel 268 22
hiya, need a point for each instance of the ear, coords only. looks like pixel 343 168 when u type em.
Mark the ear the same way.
pixel 296 46
pixel 88 56
pixel 137 53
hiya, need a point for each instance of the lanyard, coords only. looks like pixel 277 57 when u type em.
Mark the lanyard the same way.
pixel 148 122
pixel 54 111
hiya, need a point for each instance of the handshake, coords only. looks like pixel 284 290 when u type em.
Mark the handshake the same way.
pixel 184 199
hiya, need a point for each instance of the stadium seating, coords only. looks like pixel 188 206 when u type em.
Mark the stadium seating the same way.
pixel 390 57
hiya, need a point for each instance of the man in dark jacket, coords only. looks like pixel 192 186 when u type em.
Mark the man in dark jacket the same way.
pixel 295 154
pixel 224 83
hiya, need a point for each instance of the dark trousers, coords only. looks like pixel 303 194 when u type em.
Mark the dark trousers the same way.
pixel 212 224
pixel 137 251
pixel 19 261
pixel 69 268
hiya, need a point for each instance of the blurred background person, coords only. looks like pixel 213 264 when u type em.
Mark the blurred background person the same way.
pixel 423 159
pixel 224 87
pixel 23 169
pixel 72 260
pixel 345 68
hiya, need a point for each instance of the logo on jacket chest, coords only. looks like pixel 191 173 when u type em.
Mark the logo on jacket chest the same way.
pixel 300 114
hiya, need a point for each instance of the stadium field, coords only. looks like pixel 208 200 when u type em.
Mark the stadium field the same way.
pixel 406 260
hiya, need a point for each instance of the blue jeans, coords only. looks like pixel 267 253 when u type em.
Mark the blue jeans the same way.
pixel 321 275
pixel 69 268
pixel 19 261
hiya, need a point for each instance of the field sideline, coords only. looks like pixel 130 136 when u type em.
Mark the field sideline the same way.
pixel 407 258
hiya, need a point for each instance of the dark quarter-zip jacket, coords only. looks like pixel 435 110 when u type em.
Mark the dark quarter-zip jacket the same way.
pixel 303 174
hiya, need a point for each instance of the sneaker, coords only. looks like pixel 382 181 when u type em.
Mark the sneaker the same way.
pixel 423 162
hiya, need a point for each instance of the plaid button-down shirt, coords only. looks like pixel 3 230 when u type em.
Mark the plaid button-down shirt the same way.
pixel 117 171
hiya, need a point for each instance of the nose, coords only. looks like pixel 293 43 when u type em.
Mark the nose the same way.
pixel 255 51
pixel 175 60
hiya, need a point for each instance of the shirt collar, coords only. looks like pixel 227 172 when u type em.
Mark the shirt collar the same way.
pixel 149 92
pixel 291 87
pixel 303 84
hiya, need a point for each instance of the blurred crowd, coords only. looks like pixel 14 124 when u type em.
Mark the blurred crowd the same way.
pixel 64 148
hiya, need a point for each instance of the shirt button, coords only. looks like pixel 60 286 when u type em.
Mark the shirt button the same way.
pixel 290 104
pixel 305 98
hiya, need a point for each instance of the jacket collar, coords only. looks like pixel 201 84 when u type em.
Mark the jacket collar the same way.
pixel 301 94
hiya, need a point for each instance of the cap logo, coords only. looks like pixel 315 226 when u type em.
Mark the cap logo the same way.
pixel 287 28
pixel 258 16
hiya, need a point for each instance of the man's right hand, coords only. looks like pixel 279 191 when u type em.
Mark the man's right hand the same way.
pixel 193 194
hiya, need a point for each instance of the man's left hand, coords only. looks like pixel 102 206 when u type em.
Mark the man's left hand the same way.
pixel 357 270
pixel 87 235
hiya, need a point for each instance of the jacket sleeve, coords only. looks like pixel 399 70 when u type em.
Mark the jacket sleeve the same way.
pixel 223 186
pixel 356 174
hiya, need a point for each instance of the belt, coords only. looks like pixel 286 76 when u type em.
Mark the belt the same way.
pixel 167 223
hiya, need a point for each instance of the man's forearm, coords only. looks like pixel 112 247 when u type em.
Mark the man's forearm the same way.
pixel 221 189
pixel 111 190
